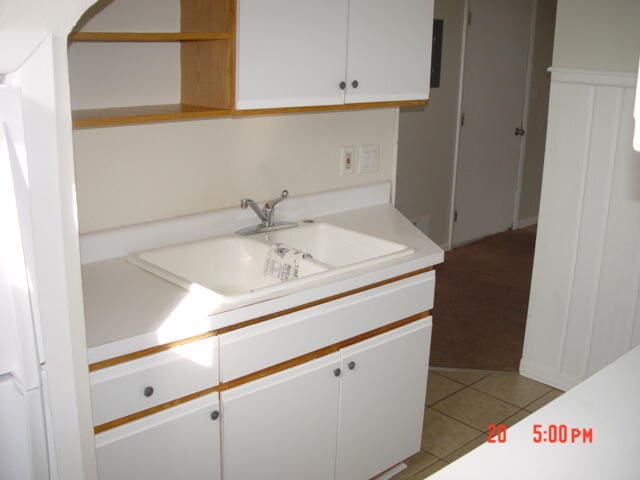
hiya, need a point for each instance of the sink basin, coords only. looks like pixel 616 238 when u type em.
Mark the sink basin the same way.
pixel 234 267
pixel 338 247
pixel 229 266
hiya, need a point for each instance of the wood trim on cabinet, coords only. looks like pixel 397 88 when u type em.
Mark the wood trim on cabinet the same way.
pixel 328 108
pixel 147 36
pixel 112 117
pixel 166 346
pixel 322 352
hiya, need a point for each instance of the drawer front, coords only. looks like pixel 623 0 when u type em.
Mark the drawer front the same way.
pixel 149 381
pixel 265 344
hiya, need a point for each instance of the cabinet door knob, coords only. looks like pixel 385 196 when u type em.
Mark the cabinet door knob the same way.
pixel 215 415
pixel 354 84
pixel 337 372
pixel 342 85
pixel 148 391
pixel 351 365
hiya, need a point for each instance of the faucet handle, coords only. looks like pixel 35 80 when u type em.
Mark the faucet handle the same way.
pixel 275 201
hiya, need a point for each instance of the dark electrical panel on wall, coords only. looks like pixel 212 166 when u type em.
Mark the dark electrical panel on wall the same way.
pixel 436 52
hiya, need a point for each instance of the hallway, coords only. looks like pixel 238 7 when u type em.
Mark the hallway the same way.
pixel 481 302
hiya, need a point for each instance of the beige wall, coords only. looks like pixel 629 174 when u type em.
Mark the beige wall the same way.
pixel 134 174
pixel 538 107
pixel 426 143
pixel 598 35
pixel 129 175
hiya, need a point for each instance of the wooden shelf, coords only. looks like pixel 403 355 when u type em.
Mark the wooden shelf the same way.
pixel 111 117
pixel 147 36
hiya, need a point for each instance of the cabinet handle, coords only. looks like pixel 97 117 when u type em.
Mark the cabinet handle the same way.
pixel 351 365
pixel 215 415
pixel 148 391
pixel 342 85
pixel 337 372
pixel 354 84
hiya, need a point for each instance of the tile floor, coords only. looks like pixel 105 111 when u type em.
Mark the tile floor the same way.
pixel 459 406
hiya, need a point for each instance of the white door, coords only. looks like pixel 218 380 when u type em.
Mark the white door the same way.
pixel 291 53
pixel 389 53
pixel 181 442
pixel 382 401
pixel 283 426
pixel 495 68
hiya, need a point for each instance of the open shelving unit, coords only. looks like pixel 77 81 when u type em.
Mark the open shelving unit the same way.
pixel 207 56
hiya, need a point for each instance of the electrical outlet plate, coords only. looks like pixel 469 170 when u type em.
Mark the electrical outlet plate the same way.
pixel 345 157
pixel 368 158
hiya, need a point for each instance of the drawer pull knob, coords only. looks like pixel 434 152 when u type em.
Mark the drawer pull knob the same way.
pixel 351 365
pixel 215 415
pixel 337 372
pixel 354 84
pixel 148 391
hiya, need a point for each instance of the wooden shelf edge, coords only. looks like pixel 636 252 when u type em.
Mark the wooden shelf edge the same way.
pixel 329 108
pixel 147 36
pixel 111 117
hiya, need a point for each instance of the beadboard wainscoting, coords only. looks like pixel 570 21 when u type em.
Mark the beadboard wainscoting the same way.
pixel 584 307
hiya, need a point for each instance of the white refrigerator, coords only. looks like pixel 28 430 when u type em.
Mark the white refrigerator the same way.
pixel 25 448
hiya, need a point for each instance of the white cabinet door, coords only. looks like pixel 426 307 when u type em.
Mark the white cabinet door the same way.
pixel 389 52
pixel 382 401
pixel 181 442
pixel 283 426
pixel 290 52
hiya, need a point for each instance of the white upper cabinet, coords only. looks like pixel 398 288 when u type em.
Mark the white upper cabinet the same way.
pixel 389 52
pixel 293 53
pixel 290 52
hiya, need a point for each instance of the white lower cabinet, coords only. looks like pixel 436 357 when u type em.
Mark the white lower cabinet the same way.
pixel 349 415
pixel 382 401
pixel 180 442
pixel 283 426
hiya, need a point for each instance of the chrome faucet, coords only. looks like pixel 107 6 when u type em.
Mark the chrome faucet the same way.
pixel 266 214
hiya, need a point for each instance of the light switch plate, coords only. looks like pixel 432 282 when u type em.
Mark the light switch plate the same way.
pixel 368 158
pixel 346 159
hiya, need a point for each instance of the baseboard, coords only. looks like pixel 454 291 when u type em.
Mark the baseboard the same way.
pixel 549 377
pixel 527 222
pixel 445 246
pixel 392 472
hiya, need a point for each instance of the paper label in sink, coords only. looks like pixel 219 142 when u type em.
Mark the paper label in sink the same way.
pixel 283 262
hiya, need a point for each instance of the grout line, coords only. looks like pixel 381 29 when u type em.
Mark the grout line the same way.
pixel 447 378
pixel 483 434
pixel 459 421
pixel 487 373
pixel 508 402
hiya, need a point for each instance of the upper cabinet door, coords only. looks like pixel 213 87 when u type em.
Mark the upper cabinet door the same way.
pixel 389 53
pixel 382 401
pixel 291 53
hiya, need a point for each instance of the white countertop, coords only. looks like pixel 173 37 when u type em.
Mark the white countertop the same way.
pixel 607 402
pixel 127 308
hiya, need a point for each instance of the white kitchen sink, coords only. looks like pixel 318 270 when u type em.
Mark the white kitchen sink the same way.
pixel 234 267
pixel 336 246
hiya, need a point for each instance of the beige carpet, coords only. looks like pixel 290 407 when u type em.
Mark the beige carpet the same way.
pixel 482 292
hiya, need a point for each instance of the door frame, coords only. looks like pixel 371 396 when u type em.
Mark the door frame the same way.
pixel 525 113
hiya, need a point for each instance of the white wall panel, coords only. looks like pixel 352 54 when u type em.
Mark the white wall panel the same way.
pixel 583 310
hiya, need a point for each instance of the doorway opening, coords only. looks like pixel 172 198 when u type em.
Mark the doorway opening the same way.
pixel 494 77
